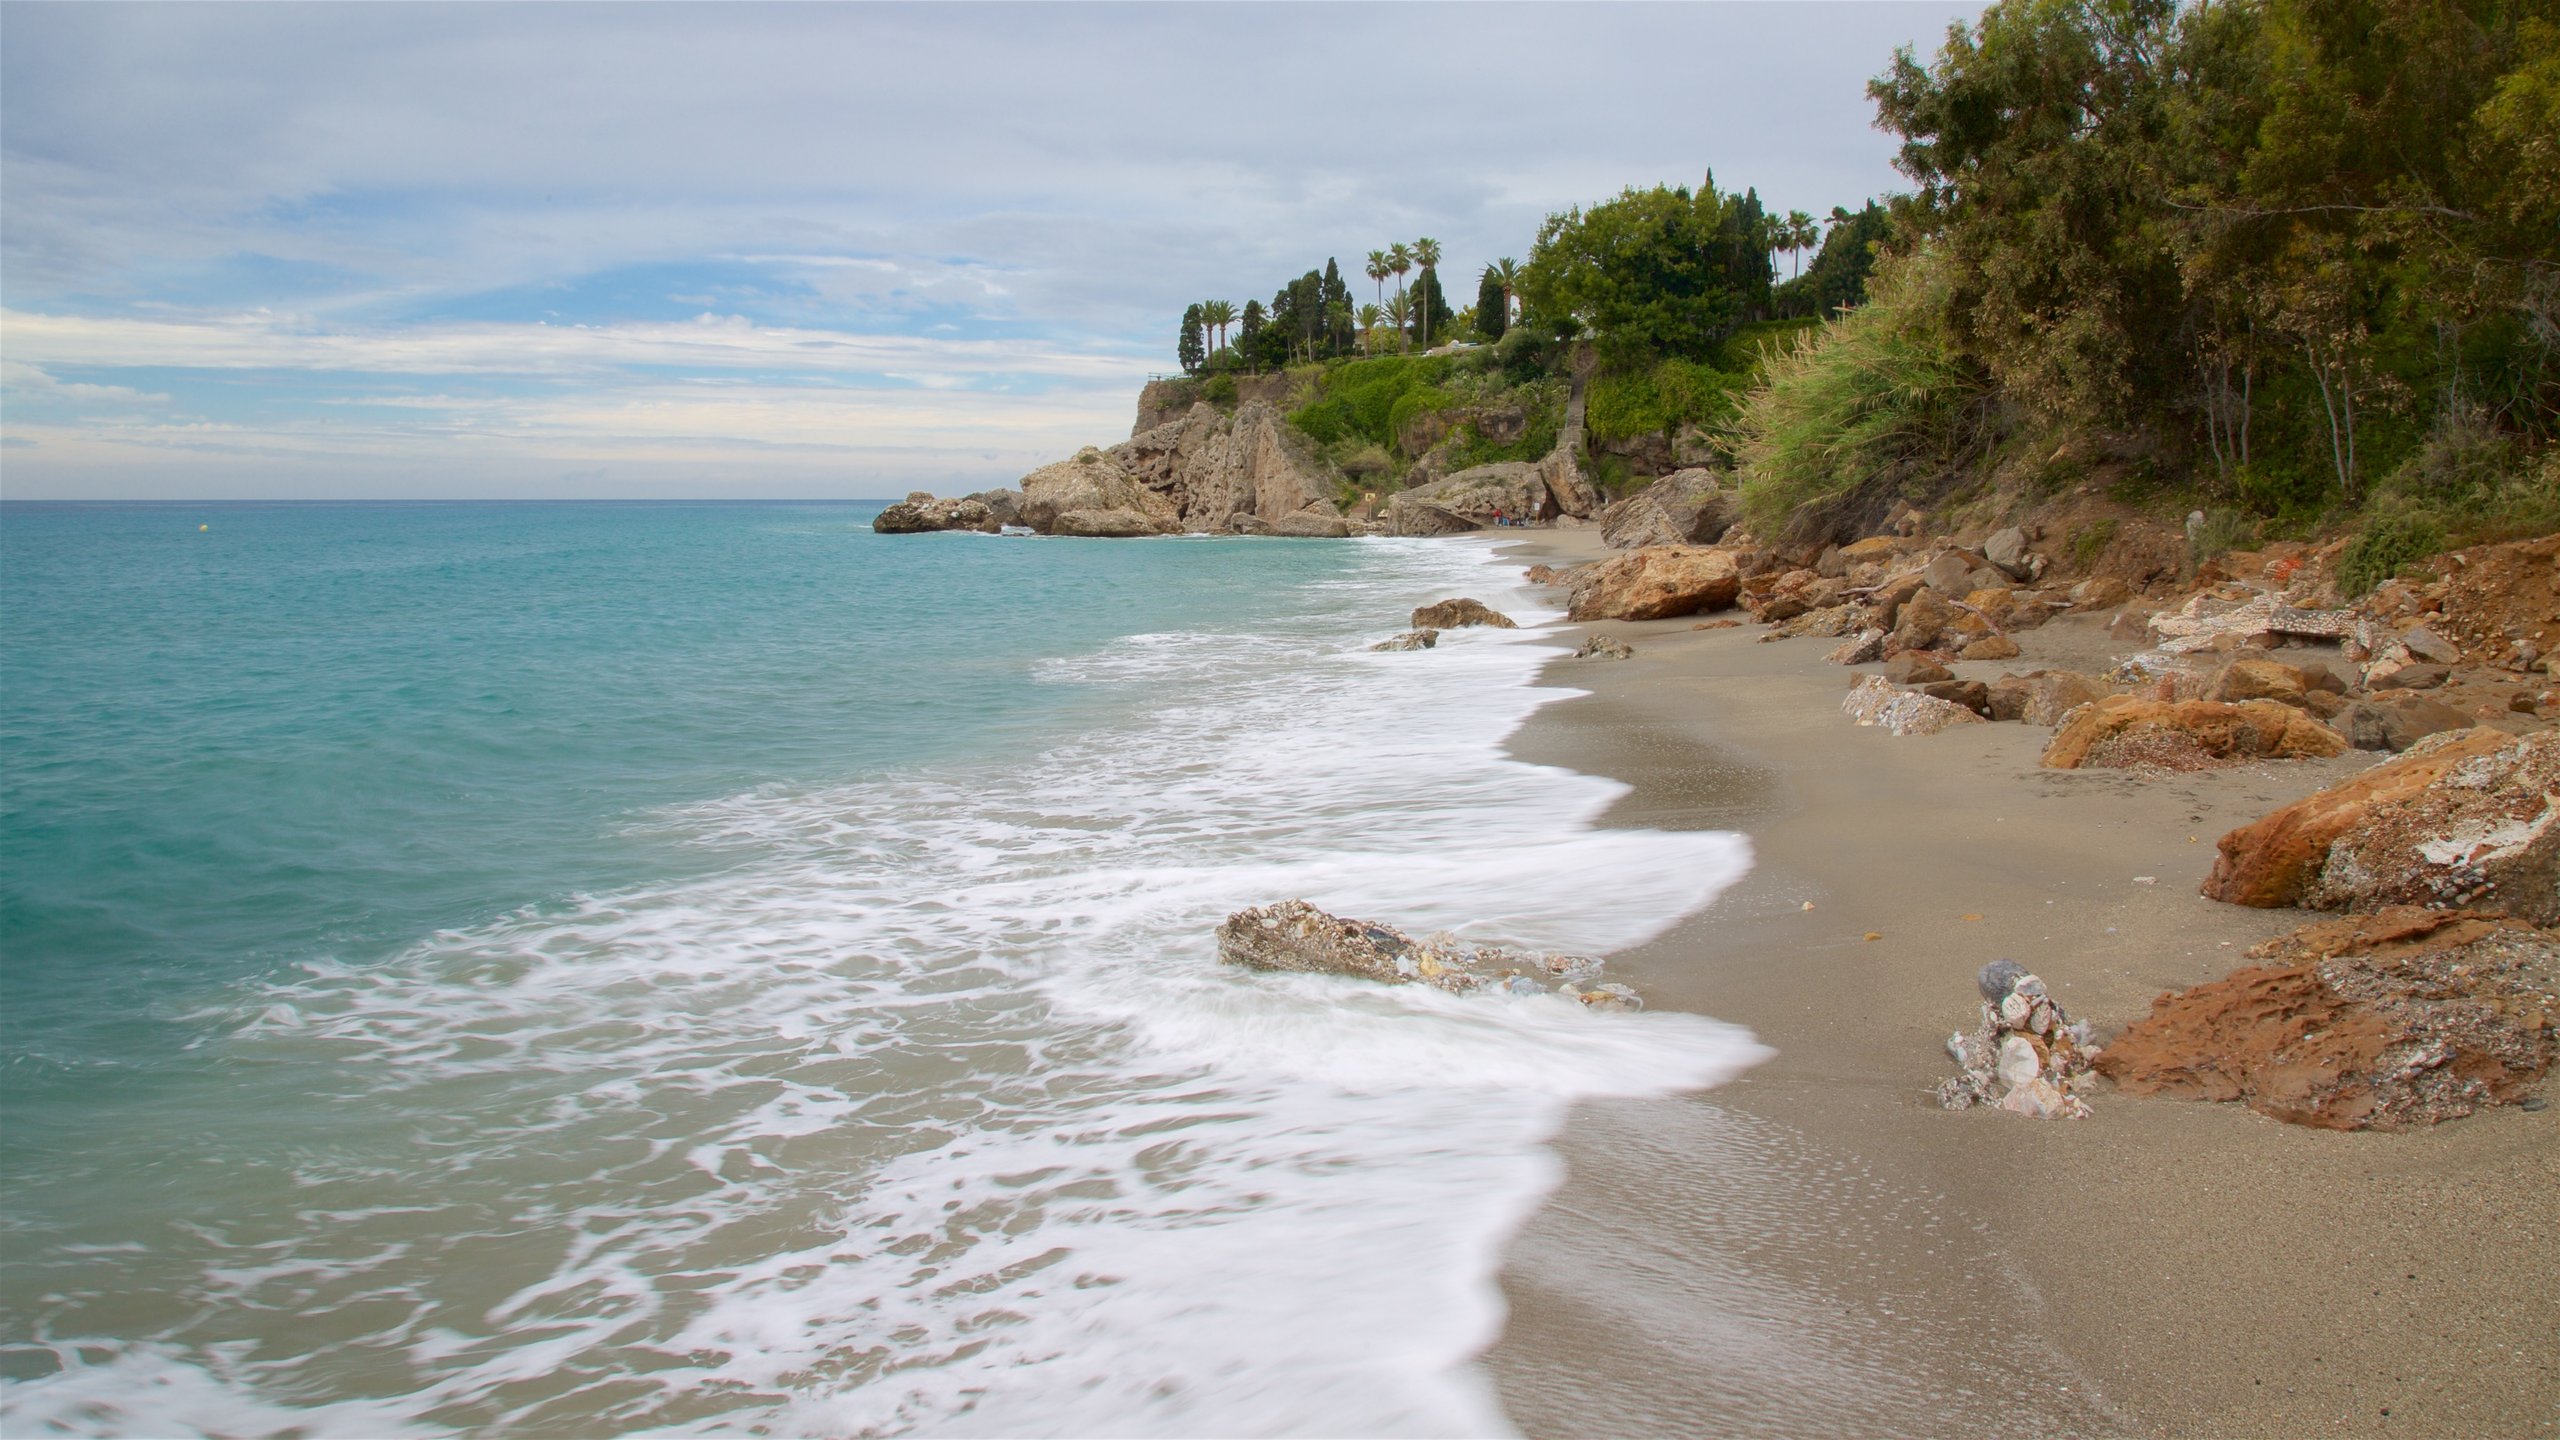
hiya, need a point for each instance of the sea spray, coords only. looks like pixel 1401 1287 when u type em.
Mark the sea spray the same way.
pixel 925 1106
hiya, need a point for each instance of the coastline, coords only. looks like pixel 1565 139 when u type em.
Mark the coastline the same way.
pixel 1817 1248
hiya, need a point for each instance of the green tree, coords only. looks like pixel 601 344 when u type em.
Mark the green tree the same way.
pixel 1493 306
pixel 1399 311
pixel 1337 310
pixel 1218 315
pixel 1429 308
pixel 1251 327
pixel 1426 253
pixel 1369 317
pixel 1189 349
pixel 1508 270
pixel 1652 272
pixel 1399 263
pixel 1378 270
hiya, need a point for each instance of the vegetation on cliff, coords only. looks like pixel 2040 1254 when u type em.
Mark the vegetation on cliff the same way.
pixel 2293 263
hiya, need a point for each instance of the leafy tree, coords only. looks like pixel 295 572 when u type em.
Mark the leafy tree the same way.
pixel 1189 349
pixel 1493 307
pixel 1651 272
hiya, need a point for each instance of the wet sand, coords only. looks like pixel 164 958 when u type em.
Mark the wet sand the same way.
pixel 1818 1249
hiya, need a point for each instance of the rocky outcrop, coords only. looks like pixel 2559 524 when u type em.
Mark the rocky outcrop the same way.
pixel 1875 700
pixel 2403 1018
pixel 2024 1056
pixel 1204 471
pixel 1685 507
pixel 2126 730
pixel 1410 640
pixel 2469 819
pixel 1459 613
pixel 1655 583
pixel 920 512
pixel 1296 936
pixel 1217 473
pixel 1093 484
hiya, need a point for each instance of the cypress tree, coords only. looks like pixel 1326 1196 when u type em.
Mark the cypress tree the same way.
pixel 1337 310
pixel 1431 313
pixel 1191 349
pixel 1493 309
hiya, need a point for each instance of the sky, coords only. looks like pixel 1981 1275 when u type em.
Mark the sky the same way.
pixel 810 250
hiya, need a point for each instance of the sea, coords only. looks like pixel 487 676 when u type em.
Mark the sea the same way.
pixel 708 969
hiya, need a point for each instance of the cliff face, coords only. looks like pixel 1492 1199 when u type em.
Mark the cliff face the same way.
pixel 1202 472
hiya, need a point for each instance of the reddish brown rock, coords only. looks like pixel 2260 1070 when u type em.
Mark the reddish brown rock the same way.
pixel 1656 583
pixel 2402 1018
pixel 2276 860
pixel 1920 620
pixel 2123 730
pixel 1990 647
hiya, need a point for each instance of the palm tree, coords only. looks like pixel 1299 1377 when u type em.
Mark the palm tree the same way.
pixel 1399 313
pixel 1796 236
pixel 1426 253
pixel 1399 260
pixel 1378 271
pixel 1218 314
pixel 1506 273
pixel 1370 315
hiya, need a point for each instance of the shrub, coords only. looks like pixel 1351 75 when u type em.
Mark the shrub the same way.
pixel 1359 398
pixel 2390 540
pixel 1653 401
pixel 1220 389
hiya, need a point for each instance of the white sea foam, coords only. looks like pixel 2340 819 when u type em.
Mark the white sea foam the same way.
pixel 936 1113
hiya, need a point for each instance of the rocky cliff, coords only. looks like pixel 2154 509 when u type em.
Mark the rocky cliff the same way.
pixel 1202 472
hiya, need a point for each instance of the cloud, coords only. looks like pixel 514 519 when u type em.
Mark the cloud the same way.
pixel 300 221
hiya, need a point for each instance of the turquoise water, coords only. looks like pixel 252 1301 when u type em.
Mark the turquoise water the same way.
pixel 572 969
pixel 327 729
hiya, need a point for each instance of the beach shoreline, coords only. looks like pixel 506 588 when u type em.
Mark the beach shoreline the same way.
pixel 1817 1248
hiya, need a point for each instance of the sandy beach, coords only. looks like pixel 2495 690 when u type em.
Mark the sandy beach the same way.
pixel 1819 1249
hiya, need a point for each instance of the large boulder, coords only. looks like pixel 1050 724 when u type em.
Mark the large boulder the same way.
pixel 1513 489
pixel 1685 507
pixel 2124 730
pixel 2398 1019
pixel 2007 549
pixel 2396 721
pixel 1875 700
pixel 1460 613
pixel 1656 583
pixel 2466 818
pixel 2275 860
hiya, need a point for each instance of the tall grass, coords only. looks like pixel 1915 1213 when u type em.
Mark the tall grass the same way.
pixel 1854 413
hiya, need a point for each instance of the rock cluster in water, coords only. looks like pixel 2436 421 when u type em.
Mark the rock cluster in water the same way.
pixel 1294 935
pixel 2025 1056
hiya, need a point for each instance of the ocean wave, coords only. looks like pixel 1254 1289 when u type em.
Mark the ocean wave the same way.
pixel 934 1112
